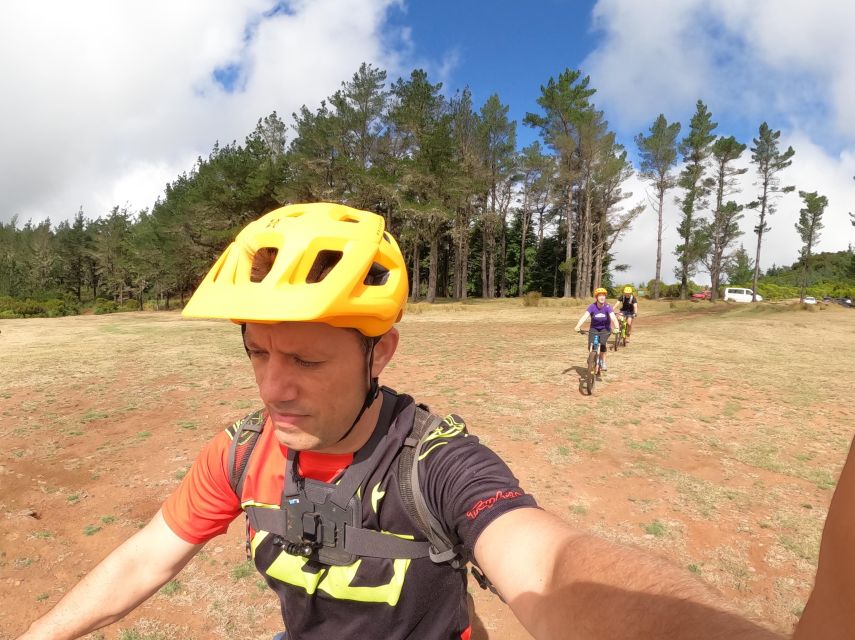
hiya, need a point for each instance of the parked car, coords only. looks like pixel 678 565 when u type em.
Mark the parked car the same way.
pixel 701 295
pixel 809 300
pixel 827 299
pixel 845 302
pixel 738 294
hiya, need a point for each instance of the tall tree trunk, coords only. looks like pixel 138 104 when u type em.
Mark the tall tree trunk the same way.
pixel 760 229
pixel 416 275
pixel 503 272
pixel 491 267
pixel 659 246
pixel 714 276
pixel 580 252
pixel 432 269
pixel 568 255
pixel 523 233
pixel 586 251
pixel 803 291
pixel 599 256
pixel 484 284
pixel 464 267
pixel 684 276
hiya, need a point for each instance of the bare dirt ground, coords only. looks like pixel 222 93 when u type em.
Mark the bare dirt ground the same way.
pixel 714 440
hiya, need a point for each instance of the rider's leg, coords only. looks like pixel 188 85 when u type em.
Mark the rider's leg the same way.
pixel 603 350
pixel 628 327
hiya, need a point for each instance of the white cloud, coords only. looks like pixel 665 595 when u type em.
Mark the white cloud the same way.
pixel 646 63
pixel 745 59
pixel 105 102
pixel 784 61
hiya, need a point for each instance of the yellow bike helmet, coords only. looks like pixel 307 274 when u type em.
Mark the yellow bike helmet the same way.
pixel 308 263
pixel 627 289
pixel 600 290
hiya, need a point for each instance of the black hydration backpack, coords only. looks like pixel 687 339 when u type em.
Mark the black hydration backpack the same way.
pixel 325 523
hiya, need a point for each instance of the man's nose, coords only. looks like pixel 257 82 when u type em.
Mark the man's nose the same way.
pixel 278 381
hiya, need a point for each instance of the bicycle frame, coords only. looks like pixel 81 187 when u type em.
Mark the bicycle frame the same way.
pixel 593 364
pixel 620 334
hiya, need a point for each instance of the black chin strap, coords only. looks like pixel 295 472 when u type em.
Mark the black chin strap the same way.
pixel 371 395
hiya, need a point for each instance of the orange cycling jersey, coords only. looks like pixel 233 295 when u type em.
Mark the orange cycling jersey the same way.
pixel 204 504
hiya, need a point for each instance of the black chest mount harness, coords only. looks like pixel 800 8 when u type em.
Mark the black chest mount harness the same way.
pixel 323 522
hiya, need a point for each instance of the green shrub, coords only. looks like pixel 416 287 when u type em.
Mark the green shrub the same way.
pixel 777 291
pixel 532 299
pixel 131 305
pixel 54 308
pixel 28 308
pixel 103 306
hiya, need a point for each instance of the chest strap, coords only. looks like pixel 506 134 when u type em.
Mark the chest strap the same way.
pixel 323 521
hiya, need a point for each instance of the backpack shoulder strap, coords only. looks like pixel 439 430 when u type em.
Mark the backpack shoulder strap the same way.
pixel 244 435
pixel 443 546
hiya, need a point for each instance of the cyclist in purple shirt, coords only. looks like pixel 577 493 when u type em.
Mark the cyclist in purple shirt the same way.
pixel 603 319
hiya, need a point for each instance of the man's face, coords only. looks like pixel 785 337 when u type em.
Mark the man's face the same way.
pixel 601 299
pixel 312 379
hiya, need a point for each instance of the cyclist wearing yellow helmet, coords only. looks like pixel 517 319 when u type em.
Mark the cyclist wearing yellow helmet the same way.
pixel 603 320
pixel 627 306
pixel 328 474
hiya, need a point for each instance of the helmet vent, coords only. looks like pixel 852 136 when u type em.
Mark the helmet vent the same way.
pixel 377 275
pixel 348 219
pixel 262 263
pixel 387 238
pixel 324 263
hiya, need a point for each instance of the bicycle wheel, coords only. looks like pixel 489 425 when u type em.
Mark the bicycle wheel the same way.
pixel 617 340
pixel 592 371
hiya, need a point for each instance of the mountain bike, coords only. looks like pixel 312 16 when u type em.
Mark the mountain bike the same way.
pixel 621 334
pixel 593 364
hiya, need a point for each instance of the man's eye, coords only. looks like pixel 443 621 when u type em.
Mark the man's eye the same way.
pixel 305 363
pixel 255 353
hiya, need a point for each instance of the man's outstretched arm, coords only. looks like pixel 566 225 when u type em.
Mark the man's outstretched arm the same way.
pixel 561 583
pixel 830 611
pixel 121 582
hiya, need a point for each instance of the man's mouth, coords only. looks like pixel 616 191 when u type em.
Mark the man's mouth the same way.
pixel 286 418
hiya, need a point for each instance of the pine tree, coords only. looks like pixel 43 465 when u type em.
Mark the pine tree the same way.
pixel 722 229
pixel 695 149
pixel 769 161
pixel 658 155
pixel 809 226
pixel 564 103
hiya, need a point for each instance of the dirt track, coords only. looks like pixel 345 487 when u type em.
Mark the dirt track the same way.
pixel 714 440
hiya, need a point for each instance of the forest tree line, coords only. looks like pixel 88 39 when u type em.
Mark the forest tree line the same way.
pixel 475 216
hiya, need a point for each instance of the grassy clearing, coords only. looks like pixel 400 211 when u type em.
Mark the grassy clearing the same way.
pixel 705 440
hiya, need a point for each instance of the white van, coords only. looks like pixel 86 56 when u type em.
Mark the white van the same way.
pixel 737 294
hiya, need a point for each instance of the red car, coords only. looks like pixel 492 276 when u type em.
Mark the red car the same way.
pixel 702 295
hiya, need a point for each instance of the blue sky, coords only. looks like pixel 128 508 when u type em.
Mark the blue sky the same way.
pixel 510 49
pixel 113 100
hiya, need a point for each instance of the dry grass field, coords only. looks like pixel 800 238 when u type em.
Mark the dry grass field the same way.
pixel 714 440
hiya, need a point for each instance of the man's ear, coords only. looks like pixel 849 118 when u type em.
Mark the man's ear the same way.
pixel 384 349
